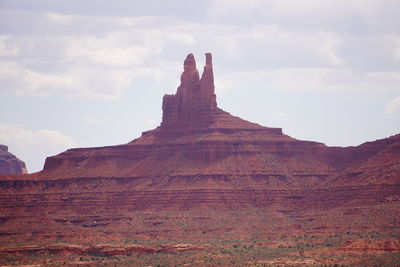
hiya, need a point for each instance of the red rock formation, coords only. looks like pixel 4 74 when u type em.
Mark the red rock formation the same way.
pixel 195 98
pixel 10 164
pixel 193 130
pixel 204 174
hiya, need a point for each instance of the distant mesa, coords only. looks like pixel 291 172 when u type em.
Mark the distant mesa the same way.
pixel 10 164
pixel 198 139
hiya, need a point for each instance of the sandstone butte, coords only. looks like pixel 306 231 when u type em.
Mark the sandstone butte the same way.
pixel 206 188
pixel 10 164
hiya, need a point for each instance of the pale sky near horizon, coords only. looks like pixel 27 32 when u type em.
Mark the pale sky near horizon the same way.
pixel 93 73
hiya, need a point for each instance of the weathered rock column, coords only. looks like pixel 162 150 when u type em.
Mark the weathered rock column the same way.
pixel 194 97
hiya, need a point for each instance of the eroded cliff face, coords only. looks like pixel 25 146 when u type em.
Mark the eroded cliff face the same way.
pixel 10 164
pixel 206 176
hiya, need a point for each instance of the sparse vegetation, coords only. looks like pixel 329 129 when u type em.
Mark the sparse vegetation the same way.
pixel 301 250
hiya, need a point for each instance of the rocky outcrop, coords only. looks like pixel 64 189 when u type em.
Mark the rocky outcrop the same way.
pixel 10 164
pixel 195 98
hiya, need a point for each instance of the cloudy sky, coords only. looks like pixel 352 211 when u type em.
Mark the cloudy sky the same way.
pixel 92 73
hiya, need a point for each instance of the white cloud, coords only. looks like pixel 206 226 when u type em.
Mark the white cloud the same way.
pixel 34 146
pixel 89 64
pixel 111 51
pixel 78 82
pixel 318 80
pixel 41 83
pixel 393 106
pixel 21 137
pixel 60 18
pixel 7 50
pixel 329 46
pixel 333 15
pixel 396 40
pixel 271 46
pixel 105 55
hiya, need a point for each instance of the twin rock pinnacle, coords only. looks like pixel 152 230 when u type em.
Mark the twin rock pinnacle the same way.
pixel 194 96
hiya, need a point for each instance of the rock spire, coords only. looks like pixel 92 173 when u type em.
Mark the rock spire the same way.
pixel 194 97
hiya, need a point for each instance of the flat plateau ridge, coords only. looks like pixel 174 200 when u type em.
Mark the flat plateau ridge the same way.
pixel 207 188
